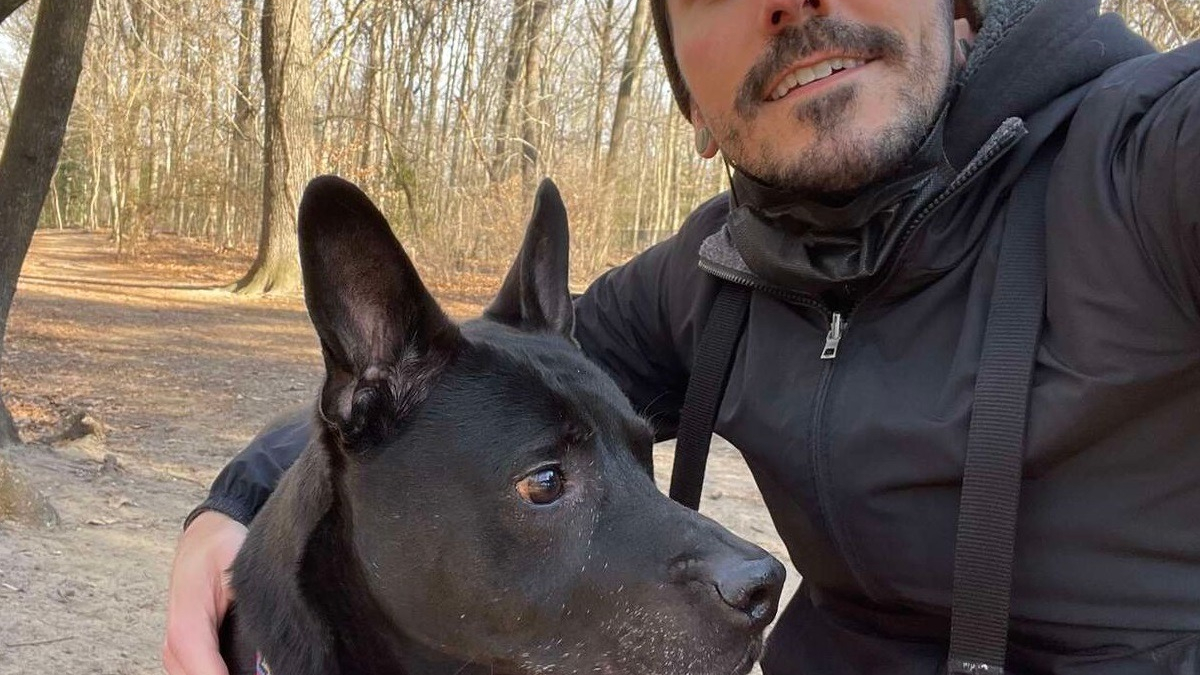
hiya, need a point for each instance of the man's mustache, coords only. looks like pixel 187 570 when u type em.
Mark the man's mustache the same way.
pixel 795 43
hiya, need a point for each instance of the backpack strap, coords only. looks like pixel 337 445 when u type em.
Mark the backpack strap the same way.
pixel 706 387
pixel 987 521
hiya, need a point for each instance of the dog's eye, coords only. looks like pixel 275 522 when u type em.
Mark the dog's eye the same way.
pixel 542 486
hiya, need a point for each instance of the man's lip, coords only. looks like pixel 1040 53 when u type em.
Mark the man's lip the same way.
pixel 811 61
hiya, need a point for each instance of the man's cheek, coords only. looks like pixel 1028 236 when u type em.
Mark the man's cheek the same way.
pixel 707 68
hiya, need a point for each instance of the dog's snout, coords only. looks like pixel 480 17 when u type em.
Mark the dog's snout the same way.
pixel 752 587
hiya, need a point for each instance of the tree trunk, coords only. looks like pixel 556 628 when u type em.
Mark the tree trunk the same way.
pixel 8 429
pixel 531 122
pixel 31 151
pixel 639 34
pixel 376 45
pixel 288 143
pixel 20 501
pixel 34 141
pixel 514 65
pixel 7 7
pixel 243 126
pixel 604 50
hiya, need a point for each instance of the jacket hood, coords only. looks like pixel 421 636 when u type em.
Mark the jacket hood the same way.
pixel 1028 54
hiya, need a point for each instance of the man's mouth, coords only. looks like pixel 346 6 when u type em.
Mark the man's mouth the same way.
pixel 808 74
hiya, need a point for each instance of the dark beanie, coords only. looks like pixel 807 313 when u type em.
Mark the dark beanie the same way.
pixel 972 9
pixel 662 26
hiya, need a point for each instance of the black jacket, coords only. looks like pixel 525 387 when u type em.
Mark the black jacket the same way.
pixel 860 457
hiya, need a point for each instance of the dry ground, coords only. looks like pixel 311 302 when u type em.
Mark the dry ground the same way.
pixel 181 375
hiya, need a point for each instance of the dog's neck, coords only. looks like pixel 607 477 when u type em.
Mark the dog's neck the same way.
pixel 359 635
pixel 334 583
pixel 319 617
pixel 304 602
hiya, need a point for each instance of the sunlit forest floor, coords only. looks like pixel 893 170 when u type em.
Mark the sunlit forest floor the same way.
pixel 180 375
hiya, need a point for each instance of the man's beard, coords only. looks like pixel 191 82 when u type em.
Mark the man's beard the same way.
pixel 840 160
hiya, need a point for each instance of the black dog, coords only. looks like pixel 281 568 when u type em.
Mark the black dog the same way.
pixel 477 498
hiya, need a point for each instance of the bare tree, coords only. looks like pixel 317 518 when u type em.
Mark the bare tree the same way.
pixel 531 122
pixel 603 25
pixel 635 52
pixel 240 164
pixel 287 72
pixel 34 140
pixel 518 36
pixel 431 106
pixel 31 150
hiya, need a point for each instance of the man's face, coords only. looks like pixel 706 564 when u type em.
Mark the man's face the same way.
pixel 816 95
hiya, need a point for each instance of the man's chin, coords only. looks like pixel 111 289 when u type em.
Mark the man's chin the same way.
pixel 835 166
pixel 820 178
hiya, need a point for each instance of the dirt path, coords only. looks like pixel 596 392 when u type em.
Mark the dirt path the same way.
pixel 181 375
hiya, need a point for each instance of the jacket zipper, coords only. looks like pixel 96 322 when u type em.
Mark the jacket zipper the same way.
pixel 996 152
pixel 753 284
pixel 818 460
pixel 836 328
pixel 838 324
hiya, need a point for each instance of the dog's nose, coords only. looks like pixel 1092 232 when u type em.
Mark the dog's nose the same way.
pixel 752 587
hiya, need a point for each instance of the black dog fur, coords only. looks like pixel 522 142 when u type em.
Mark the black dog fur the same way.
pixel 477 498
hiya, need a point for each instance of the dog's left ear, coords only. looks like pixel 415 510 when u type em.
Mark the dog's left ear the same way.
pixel 535 295
pixel 383 336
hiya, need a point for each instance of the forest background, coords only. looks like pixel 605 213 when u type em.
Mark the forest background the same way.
pixel 446 113
pixel 157 325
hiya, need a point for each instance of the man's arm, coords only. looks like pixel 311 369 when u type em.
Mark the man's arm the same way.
pixel 199 593
pixel 641 321
pixel 244 485
pixel 621 323
pixel 1159 167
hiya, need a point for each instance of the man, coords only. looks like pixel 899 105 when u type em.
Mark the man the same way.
pixel 876 145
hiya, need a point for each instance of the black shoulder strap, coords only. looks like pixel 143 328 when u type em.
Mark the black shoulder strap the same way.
pixel 706 386
pixel 987 521
pixel 995 445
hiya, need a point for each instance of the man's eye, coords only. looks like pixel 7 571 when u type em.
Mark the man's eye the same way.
pixel 543 486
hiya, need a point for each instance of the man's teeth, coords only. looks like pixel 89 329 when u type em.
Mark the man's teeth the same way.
pixel 810 74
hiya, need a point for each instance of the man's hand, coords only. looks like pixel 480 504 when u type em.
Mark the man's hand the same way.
pixel 200 594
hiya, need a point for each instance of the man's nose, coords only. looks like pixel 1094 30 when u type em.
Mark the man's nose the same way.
pixel 751 587
pixel 776 15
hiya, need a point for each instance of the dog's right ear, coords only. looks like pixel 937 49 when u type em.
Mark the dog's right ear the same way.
pixel 535 295
pixel 383 336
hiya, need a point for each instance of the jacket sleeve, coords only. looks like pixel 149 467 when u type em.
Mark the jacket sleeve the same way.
pixel 638 321
pixel 1159 167
pixel 244 485
pixel 621 324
